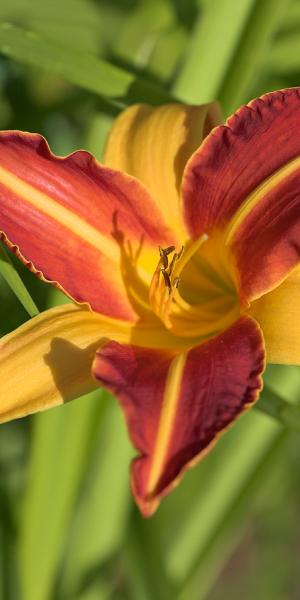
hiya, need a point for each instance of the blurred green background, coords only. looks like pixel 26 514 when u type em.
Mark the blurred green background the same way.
pixel 68 528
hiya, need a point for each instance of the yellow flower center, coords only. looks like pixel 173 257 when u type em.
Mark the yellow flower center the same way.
pixel 194 289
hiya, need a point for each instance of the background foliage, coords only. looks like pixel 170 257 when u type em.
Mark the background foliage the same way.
pixel 68 527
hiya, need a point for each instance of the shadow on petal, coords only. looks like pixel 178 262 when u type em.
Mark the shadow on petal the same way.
pixel 71 368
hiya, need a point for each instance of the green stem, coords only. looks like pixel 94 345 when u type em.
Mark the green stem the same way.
pixel 286 413
pixel 15 282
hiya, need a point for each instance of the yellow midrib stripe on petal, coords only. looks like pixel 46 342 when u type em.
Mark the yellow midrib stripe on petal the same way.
pixel 63 215
pixel 167 419
pixel 257 195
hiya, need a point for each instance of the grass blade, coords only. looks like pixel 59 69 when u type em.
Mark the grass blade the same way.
pixel 81 68
pixel 144 565
pixel 273 405
pixel 198 584
pixel 248 61
pixel 102 515
pixel 211 49
pixel 61 447
pixel 15 282
pixel 235 460
pixel 285 55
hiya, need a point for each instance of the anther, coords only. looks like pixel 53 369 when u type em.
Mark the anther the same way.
pixel 169 249
pixel 166 278
pixel 176 282
pixel 164 257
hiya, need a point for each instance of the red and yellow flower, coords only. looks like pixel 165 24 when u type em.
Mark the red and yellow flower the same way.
pixel 182 259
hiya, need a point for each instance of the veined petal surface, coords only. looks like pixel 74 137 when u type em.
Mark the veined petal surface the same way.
pixel 176 405
pixel 47 361
pixel 278 314
pixel 155 143
pixel 245 180
pixel 73 220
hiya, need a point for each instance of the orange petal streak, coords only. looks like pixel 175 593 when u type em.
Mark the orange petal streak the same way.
pixel 176 405
pixel 71 220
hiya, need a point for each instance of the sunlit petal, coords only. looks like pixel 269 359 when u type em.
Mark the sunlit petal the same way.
pixel 278 314
pixel 155 143
pixel 71 220
pixel 47 360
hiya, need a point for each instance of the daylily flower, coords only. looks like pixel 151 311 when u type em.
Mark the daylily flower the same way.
pixel 183 263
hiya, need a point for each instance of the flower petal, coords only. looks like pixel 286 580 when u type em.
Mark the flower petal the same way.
pixel 71 219
pixel 245 179
pixel 176 405
pixel 154 144
pixel 47 361
pixel 278 314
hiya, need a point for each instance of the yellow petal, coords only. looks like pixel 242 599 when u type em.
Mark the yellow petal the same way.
pixel 47 361
pixel 278 314
pixel 154 145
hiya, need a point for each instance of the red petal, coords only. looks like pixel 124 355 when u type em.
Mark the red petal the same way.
pixel 68 216
pixel 177 405
pixel 246 178
pixel 235 158
pixel 266 244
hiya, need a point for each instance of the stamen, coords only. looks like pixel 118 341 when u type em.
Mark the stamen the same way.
pixel 185 254
pixel 164 287
pixel 169 249
pixel 180 253
pixel 172 263
pixel 164 257
pixel 166 307
pixel 166 278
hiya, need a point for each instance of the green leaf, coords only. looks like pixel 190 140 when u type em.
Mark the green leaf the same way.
pixel 224 475
pixel 286 413
pixel 254 45
pixel 99 590
pixel 96 134
pixel 80 68
pixel 15 282
pixel 213 43
pixel 285 55
pixel 101 519
pixel 217 492
pixel 75 23
pixel 141 30
pixel 226 537
pixel 167 53
pixel 144 564
pixel 61 447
